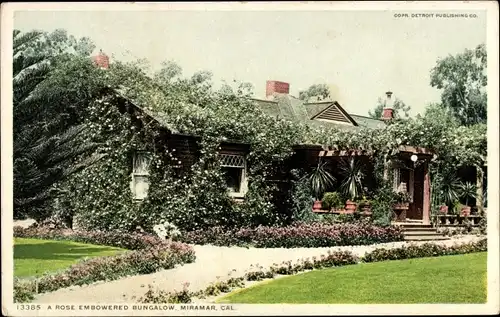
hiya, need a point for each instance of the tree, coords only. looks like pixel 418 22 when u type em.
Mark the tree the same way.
pixel 46 115
pixel 317 92
pixel 401 110
pixel 462 79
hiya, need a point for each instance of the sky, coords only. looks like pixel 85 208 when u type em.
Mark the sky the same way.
pixel 359 54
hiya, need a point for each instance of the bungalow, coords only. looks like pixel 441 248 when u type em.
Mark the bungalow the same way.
pixel 411 165
pixel 411 173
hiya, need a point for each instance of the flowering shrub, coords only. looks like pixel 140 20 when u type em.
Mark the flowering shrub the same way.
pixel 130 241
pixel 298 235
pixel 424 250
pixel 159 296
pixel 149 254
pixel 166 230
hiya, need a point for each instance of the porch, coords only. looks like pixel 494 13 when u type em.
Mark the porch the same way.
pixel 409 170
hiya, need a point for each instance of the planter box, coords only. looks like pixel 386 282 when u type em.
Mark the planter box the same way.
pixel 399 215
pixel 401 206
pixel 399 211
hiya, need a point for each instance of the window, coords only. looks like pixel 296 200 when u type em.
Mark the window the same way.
pixel 397 180
pixel 234 167
pixel 404 181
pixel 140 175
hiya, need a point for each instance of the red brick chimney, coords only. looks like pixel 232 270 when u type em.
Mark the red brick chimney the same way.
pixel 101 60
pixel 274 86
pixel 388 111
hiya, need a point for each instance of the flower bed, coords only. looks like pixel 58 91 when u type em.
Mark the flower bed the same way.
pixel 331 259
pixel 130 241
pixel 425 250
pixel 149 254
pixel 298 235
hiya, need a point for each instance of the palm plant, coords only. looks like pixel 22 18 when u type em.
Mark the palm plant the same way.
pixel 353 172
pixel 468 190
pixel 320 180
pixel 47 137
pixel 450 188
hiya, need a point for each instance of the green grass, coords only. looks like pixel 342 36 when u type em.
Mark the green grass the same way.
pixel 34 257
pixel 445 279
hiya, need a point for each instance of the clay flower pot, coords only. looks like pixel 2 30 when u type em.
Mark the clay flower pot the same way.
pixel 317 205
pixel 350 207
pixel 465 211
pixel 443 209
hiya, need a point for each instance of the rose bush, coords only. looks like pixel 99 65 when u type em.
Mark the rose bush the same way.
pixel 129 241
pixel 424 250
pixel 311 235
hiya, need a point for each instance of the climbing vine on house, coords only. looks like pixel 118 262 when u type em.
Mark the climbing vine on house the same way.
pixel 100 196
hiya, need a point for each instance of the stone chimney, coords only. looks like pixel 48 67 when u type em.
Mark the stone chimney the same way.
pixel 101 60
pixel 388 111
pixel 273 86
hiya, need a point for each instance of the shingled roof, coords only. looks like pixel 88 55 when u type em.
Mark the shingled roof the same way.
pixel 324 113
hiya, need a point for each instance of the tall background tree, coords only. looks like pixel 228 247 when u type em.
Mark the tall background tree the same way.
pixel 49 92
pixel 462 80
pixel 317 92
pixel 401 110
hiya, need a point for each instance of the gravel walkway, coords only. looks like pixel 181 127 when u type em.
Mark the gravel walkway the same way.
pixel 211 262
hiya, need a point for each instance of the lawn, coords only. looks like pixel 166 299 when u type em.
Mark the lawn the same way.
pixel 445 279
pixel 33 257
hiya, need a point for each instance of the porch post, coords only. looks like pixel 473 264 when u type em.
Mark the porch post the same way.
pixel 427 195
pixel 386 168
pixel 479 191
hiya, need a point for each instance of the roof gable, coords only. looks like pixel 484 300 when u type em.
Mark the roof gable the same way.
pixel 334 113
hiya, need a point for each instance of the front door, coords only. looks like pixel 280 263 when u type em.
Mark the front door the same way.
pixel 416 208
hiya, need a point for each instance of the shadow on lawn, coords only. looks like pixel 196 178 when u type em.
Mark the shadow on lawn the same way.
pixel 59 251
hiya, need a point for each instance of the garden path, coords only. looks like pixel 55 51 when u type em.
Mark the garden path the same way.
pixel 211 262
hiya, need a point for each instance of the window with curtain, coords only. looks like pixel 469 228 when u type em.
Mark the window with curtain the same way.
pixel 234 167
pixel 140 174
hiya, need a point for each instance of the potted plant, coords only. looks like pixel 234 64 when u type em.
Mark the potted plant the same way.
pixel 320 180
pixel 443 209
pixel 449 189
pixel 401 206
pixel 468 191
pixel 365 205
pixel 332 201
pixel 353 173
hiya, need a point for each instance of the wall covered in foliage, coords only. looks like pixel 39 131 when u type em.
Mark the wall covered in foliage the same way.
pixel 100 196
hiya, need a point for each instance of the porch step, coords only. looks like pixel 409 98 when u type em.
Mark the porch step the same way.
pixel 426 237
pixel 412 226
pixel 423 232
pixel 418 231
